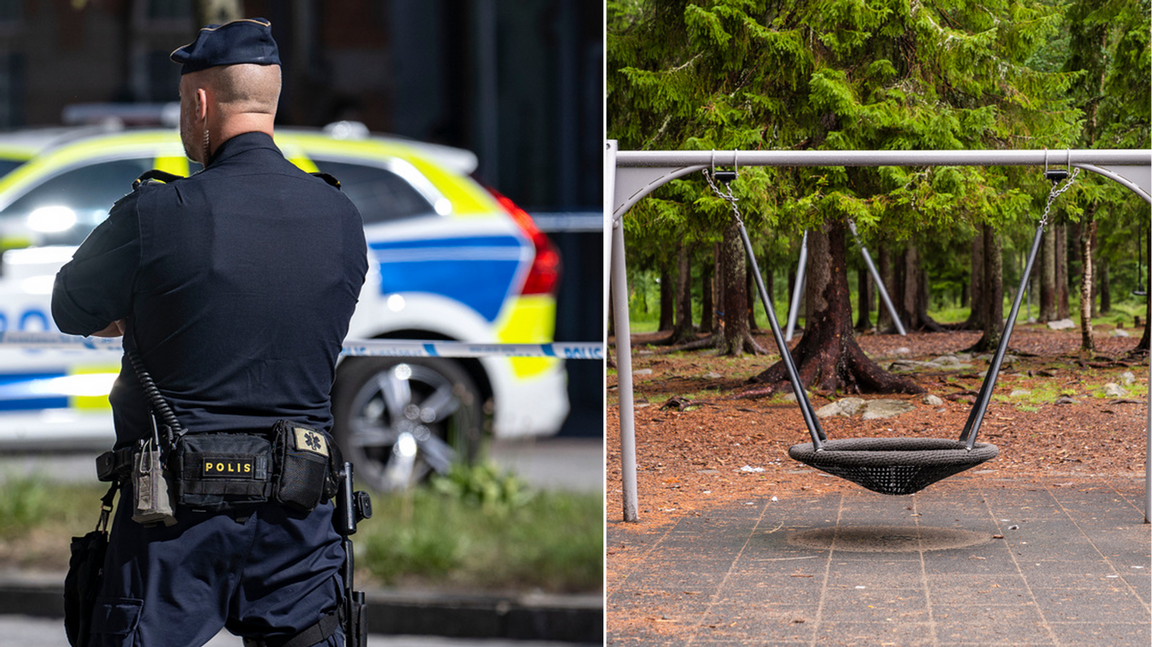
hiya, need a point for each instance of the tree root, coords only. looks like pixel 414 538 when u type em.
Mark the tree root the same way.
pixel 837 367
pixel 711 341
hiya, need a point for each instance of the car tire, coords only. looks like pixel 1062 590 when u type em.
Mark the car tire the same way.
pixel 398 420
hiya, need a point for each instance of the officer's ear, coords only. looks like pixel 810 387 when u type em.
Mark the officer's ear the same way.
pixel 201 104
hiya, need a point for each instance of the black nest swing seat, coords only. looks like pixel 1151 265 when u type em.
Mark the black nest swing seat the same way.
pixel 895 466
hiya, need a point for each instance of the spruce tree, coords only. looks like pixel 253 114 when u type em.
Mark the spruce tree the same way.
pixel 839 75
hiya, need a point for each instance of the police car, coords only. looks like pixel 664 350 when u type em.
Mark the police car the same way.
pixel 449 260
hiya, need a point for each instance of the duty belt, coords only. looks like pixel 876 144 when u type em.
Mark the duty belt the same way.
pixel 115 465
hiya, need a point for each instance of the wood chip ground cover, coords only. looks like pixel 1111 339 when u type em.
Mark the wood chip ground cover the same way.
pixel 700 445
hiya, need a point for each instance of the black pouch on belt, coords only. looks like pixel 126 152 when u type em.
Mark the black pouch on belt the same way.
pixel 303 465
pixel 219 471
pixel 85 573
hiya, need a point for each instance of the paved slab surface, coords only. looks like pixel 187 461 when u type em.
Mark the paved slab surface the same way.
pixel 1058 564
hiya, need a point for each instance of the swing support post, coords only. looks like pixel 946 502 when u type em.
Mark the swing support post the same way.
pixel 797 290
pixel 619 289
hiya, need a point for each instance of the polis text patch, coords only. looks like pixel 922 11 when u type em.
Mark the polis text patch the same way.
pixel 228 468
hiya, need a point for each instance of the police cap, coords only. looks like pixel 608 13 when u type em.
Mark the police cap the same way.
pixel 241 41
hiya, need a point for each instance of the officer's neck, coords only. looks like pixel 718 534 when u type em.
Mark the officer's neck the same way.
pixel 239 124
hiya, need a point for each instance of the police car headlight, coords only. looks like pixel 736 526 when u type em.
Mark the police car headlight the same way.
pixel 50 220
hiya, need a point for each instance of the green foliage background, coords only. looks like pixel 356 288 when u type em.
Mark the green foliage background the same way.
pixel 878 75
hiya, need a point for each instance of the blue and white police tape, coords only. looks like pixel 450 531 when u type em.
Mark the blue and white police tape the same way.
pixel 352 347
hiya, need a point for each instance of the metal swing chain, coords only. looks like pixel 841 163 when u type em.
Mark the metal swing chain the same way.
pixel 725 195
pixel 1056 191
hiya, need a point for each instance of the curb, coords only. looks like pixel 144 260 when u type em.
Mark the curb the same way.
pixel 561 618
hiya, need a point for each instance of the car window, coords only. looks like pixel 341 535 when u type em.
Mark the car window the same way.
pixel 66 207
pixel 378 193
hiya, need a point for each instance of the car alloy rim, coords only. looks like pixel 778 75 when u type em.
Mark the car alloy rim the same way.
pixel 400 420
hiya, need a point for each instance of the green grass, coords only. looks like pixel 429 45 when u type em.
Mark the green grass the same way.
pixel 30 502
pixel 471 538
pixel 553 541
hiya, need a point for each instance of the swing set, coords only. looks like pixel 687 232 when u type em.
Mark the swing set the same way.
pixel 895 466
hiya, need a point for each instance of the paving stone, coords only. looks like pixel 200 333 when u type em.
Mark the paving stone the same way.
pixel 1113 634
pixel 999 625
pixel 875 633
pixel 731 576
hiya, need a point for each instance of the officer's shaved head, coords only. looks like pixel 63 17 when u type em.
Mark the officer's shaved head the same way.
pixel 244 88
pixel 220 102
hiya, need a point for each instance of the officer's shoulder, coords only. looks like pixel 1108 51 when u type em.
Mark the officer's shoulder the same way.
pixel 155 177
pixel 329 179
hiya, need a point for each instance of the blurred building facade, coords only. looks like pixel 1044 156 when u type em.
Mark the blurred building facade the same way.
pixel 518 82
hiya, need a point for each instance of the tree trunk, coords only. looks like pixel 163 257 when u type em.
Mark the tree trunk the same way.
pixel 1105 288
pixel 993 291
pixel 1087 233
pixel 913 296
pixel 750 297
pixel 898 286
pixel 684 330
pixel 707 297
pixel 1142 347
pixel 1062 309
pixel 718 285
pixel 883 319
pixel 864 300
pixel 1048 276
pixel 828 356
pixel 769 281
pixel 976 314
pixel 1095 259
pixel 736 339
pixel 667 299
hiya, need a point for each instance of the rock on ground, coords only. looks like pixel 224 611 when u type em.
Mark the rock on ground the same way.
pixel 1113 390
pixel 877 409
pixel 843 407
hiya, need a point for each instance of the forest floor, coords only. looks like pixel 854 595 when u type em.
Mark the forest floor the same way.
pixel 700 445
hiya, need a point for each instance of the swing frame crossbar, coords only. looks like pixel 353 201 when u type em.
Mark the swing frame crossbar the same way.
pixel 631 175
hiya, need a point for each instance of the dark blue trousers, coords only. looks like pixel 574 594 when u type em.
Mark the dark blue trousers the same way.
pixel 268 572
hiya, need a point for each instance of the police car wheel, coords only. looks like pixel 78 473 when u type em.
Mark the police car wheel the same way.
pixel 400 420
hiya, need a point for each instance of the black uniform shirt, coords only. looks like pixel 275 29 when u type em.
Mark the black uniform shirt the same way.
pixel 237 283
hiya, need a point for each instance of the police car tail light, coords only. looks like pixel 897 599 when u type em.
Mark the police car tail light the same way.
pixel 545 271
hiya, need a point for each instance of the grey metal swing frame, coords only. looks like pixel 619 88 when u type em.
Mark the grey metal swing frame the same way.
pixel 631 175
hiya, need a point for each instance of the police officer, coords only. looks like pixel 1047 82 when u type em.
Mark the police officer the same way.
pixel 234 287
